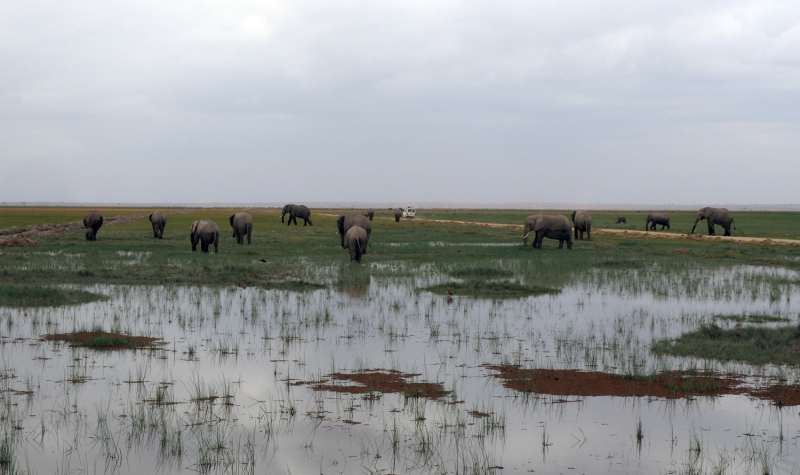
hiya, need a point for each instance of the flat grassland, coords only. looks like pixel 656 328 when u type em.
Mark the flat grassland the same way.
pixel 298 256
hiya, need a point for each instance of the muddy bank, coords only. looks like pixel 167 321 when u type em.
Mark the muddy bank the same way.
pixel 15 233
pixel 667 385
pixel 380 381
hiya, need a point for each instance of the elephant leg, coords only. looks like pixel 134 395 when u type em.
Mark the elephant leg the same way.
pixel 216 247
pixel 204 246
pixel 588 234
pixel 727 230
pixel 711 228
pixel 561 244
pixel 309 221
pixel 569 245
pixel 249 234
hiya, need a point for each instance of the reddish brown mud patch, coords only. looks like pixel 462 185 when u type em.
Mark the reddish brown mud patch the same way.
pixel 381 381
pixel 104 340
pixel 668 385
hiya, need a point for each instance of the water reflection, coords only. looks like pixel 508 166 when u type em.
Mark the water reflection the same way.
pixel 228 390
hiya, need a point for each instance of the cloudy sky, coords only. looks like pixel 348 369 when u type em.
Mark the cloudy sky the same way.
pixel 653 102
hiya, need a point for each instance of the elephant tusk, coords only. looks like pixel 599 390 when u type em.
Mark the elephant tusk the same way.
pixel 523 237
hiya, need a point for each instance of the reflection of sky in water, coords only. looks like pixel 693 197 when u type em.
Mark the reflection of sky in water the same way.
pixel 251 341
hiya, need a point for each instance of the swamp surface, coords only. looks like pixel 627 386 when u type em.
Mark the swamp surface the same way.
pixel 283 357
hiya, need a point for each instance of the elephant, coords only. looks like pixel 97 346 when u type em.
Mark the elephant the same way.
pixel 369 213
pixel 720 216
pixel 657 218
pixel 242 224
pixel 297 210
pixel 92 222
pixel 398 213
pixel 357 240
pixel 159 221
pixel 583 223
pixel 204 232
pixel 551 227
pixel 347 221
pixel 621 219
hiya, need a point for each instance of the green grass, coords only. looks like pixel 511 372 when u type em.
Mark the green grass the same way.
pixel 17 295
pixel 297 257
pixel 753 345
pixel 751 318
pixel 479 288
pixel 472 272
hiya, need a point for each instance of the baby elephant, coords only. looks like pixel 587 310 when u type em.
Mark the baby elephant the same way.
pixel 357 241
pixel 657 218
pixel 621 219
pixel 369 213
pixel 159 221
pixel 205 232
pixel 92 222
pixel 242 224
pixel 398 213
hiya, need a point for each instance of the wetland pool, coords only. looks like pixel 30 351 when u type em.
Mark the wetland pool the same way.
pixel 237 386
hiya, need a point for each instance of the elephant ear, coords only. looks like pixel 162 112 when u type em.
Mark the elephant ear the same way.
pixel 231 220
pixel 194 227
pixel 150 217
pixel 340 224
pixel 538 224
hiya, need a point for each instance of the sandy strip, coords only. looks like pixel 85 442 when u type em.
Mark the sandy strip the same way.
pixel 631 232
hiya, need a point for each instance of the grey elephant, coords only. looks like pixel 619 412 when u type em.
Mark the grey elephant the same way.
pixel 204 232
pixel 347 221
pixel 621 219
pixel 92 222
pixel 398 213
pixel 720 216
pixel 357 241
pixel 369 213
pixel 657 218
pixel 242 224
pixel 295 211
pixel 583 223
pixel 547 226
pixel 159 221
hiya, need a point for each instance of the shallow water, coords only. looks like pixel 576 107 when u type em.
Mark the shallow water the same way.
pixel 246 352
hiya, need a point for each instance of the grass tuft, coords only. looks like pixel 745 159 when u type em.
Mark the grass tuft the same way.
pixel 479 288
pixel 15 295
pixel 753 345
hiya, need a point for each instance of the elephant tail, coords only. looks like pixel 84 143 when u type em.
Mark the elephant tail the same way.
pixel 733 221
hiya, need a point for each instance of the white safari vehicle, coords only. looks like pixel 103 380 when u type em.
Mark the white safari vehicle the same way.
pixel 409 212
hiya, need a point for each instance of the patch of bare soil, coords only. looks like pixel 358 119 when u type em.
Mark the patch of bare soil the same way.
pixel 16 241
pixel 49 229
pixel 104 340
pixel 382 381
pixel 667 385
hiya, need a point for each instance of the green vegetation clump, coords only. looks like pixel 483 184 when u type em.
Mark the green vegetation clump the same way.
pixel 752 318
pixel 480 273
pixel 753 345
pixel 479 288
pixel 17 295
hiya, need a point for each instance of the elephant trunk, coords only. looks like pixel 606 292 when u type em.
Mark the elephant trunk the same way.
pixel 699 218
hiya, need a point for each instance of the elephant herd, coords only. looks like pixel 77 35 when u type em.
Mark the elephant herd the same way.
pixel 558 227
pixel 355 228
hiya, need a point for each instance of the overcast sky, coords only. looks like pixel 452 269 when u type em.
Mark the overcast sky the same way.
pixel 520 101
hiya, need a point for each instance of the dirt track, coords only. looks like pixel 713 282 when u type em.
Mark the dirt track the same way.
pixel 647 234
pixel 14 234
